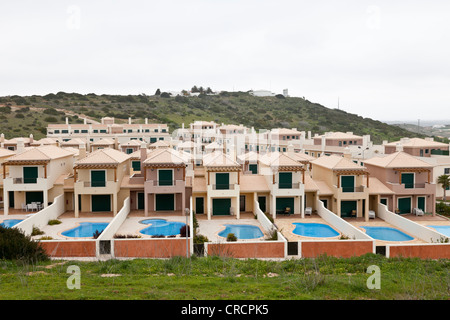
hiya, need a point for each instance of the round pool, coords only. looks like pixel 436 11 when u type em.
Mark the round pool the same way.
pixel 8 223
pixel 85 230
pixel 314 230
pixel 387 234
pixel 242 231
pixel 161 227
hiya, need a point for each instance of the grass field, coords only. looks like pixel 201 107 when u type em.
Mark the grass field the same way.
pixel 216 278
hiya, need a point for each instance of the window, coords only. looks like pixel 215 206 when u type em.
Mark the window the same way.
pixel 165 177
pixel 446 170
pixel 285 180
pixel 129 150
pixel 56 131
pixel 76 131
pixel 95 131
pixel 30 174
pixel 84 131
pixel 253 168
pixel 64 131
pixel 98 178
pixel 136 165
pixel 222 181
pixel 408 180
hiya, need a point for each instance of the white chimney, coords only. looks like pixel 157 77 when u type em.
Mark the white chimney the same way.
pixel 20 145
pixel 399 147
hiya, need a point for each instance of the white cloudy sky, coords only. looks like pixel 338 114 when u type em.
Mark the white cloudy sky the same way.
pixel 386 60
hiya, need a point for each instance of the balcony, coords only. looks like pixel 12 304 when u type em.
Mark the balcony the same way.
pixel 24 184
pixel 223 190
pixel 165 186
pixel 223 186
pixel 288 189
pixel 95 187
pixel 412 188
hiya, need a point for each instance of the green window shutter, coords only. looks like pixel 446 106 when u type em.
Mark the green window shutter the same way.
pixel 348 183
pixel 421 203
pixel 30 174
pixel 101 202
pixel 152 140
pixel 165 177
pixel 221 206
pixel 136 165
pixel 404 205
pixel 283 203
pixel 164 202
pixel 222 181
pixel 98 178
pixel 253 168
pixel 408 180
pixel 347 207
pixel 199 205
pixel 285 180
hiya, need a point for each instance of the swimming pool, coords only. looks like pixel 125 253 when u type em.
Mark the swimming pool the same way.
pixel 387 234
pixel 242 231
pixel 316 230
pixel 445 230
pixel 161 227
pixel 8 223
pixel 85 229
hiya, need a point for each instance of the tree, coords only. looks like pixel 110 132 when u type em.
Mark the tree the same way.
pixel 158 92
pixel 444 180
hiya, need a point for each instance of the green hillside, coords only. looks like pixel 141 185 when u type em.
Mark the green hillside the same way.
pixel 22 115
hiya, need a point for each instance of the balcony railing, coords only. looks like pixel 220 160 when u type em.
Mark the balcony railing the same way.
pixel 353 189
pixel 288 185
pixel 223 186
pixel 410 185
pixel 24 180
pixel 93 184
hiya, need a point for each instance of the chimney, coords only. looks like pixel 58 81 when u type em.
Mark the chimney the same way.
pixel 129 120
pixel 67 120
pixel 82 151
pixel 85 121
pixel 20 145
pixel 31 138
pixel 347 153
pixel 2 137
pixel 143 154
pixel 399 147
pixel 146 120
pixel 116 143
pixel 290 149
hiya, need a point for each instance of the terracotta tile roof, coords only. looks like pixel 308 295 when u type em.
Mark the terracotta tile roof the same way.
pixel 103 156
pixel 219 159
pixel 103 142
pixel 165 156
pixel 417 142
pixel 377 187
pixel 279 159
pixel 324 189
pixel 339 135
pixel 310 184
pixel 398 160
pixel 336 163
pixel 41 153
pixel 6 153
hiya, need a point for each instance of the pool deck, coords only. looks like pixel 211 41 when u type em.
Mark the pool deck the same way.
pixel 285 226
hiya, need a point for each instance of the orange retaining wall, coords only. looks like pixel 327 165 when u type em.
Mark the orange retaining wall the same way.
pixel 247 250
pixel 425 251
pixel 69 248
pixel 150 248
pixel 340 248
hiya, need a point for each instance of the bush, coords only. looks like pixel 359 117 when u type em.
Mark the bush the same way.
pixel 53 222
pixel 15 245
pixel 231 237
pixel 199 238
pixel 184 230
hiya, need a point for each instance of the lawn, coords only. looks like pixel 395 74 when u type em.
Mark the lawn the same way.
pixel 213 278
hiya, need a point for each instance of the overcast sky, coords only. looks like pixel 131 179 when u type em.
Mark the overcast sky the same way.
pixel 386 60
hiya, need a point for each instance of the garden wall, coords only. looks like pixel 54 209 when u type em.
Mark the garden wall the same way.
pixel 151 248
pixel 422 251
pixel 69 248
pixel 336 248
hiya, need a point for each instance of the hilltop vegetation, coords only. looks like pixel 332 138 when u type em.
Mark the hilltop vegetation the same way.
pixel 20 114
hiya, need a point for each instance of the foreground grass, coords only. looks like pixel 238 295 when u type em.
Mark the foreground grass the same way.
pixel 227 278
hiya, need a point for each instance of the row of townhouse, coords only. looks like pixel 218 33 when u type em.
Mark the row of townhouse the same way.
pixel 222 179
pixel 164 180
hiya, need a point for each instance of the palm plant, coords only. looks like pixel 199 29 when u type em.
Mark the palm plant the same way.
pixel 444 180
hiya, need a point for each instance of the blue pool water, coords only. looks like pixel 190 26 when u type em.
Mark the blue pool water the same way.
pixel 445 230
pixel 85 229
pixel 317 230
pixel 8 223
pixel 242 231
pixel 387 234
pixel 161 227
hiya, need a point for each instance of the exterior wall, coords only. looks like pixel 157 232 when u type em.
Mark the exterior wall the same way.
pixel 150 248
pixel 69 248
pixel 425 251
pixel 268 249
pixel 338 248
